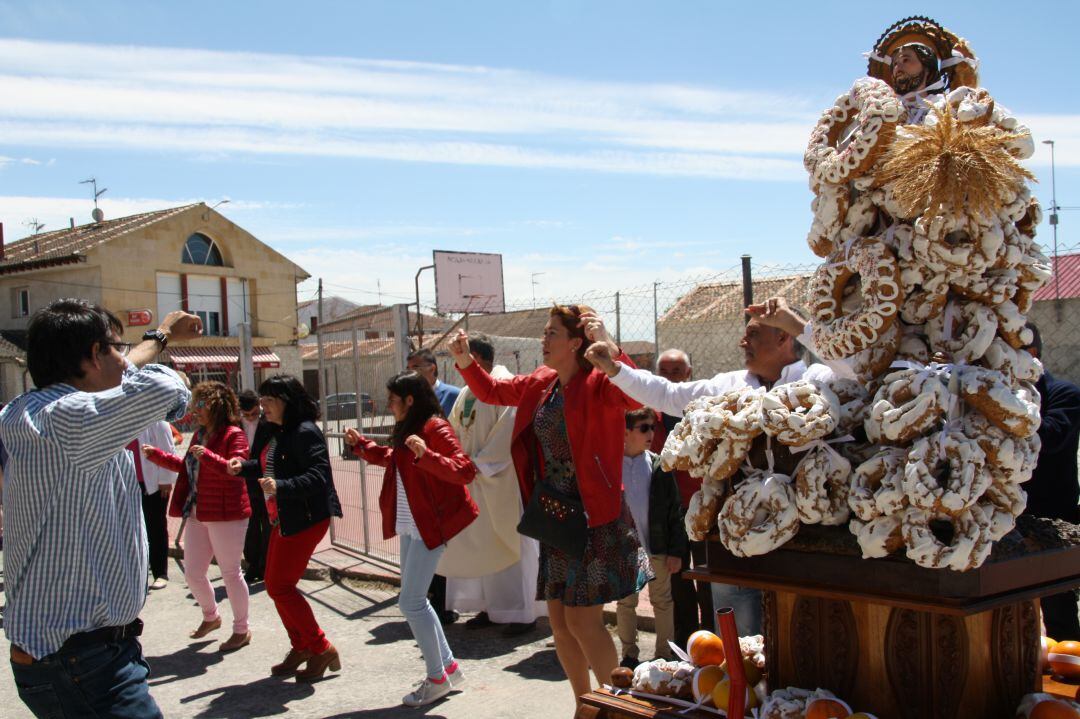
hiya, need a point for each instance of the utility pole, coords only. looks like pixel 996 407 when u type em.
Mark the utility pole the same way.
pixel 322 366
pixel 534 284
pixel 1054 223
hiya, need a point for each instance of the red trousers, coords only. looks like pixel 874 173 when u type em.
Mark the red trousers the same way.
pixel 286 560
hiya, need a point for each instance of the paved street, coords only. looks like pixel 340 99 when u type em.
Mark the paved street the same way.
pixel 506 678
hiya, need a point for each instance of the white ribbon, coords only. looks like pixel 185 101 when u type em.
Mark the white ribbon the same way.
pixel 957 58
pixel 848 244
pixel 950 371
pixel 874 56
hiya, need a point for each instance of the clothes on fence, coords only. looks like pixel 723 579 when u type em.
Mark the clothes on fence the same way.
pixel 595 412
pixel 286 561
pixel 614 565
pixel 70 493
pixel 223 540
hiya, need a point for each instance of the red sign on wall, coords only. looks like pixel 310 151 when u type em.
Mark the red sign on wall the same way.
pixel 139 318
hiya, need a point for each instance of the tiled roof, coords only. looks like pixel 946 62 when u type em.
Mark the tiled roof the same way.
pixel 379 317
pixel 60 244
pixel 725 299
pixel 343 349
pixel 1066 280
pixel 520 323
pixel 9 350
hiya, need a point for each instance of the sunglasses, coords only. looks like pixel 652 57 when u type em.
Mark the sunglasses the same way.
pixel 645 428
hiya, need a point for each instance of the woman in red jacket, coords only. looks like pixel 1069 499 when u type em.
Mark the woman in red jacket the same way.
pixel 216 506
pixel 572 420
pixel 424 501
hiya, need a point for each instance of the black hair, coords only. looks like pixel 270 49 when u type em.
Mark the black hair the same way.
pixel 426 355
pixel 482 346
pixel 248 400
pixel 299 406
pixel 425 404
pixel 1036 339
pixel 62 334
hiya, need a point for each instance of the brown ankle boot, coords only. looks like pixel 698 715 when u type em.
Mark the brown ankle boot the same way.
pixel 318 664
pixel 291 663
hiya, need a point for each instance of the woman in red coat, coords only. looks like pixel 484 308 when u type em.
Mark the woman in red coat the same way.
pixel 216 506
pixel 424 501
pixel 572 420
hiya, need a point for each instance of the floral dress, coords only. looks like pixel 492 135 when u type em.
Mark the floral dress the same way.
pixel 614 564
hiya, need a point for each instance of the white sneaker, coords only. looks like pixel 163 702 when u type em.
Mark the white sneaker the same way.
pixel 159 583
pixel 456 677
pixel 427 692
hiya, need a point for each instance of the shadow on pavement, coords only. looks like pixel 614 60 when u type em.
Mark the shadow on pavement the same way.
pixel 490 642
pixel 265 697
pixel 396 711
pixel 187 663
pixel 390 632
pixel 543 665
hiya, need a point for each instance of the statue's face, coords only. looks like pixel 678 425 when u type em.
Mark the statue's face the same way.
pixel 908 73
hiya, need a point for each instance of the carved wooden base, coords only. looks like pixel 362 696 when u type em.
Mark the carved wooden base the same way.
pixel 902 663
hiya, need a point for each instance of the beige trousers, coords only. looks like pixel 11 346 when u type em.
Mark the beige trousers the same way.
pixel 663 610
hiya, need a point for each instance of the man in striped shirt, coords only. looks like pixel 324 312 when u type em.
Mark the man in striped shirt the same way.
pixel 76 554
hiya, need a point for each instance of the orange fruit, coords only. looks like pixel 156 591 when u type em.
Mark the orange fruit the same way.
pixel 1053 709
pixel 1064 659
pixel 705 648
pixel 1044 653
pixel 824 708
pixel 753 674
pixel 722 692
pixel 704 681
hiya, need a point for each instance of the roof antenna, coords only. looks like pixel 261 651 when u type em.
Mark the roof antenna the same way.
pixel 34 225
pixel 97 214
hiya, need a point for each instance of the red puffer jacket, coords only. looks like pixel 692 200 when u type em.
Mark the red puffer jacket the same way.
pixel 222 497
pixel 595 411
pixel 434 484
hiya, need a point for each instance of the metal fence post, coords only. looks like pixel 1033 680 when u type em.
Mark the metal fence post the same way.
pixel 656 318
pixel 747 286
pixel 618 321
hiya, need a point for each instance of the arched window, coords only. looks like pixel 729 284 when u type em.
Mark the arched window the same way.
pixel 201 250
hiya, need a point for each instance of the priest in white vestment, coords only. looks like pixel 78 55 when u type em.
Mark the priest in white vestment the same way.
pixel 490 569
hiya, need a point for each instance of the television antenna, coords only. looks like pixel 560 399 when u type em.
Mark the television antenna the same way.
pixel 97 214
pixel 34 225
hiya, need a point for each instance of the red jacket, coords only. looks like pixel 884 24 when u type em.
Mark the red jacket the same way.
pixel 595 412
pixel 222 497
pixel 434 484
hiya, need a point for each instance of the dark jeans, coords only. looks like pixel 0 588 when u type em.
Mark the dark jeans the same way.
pixel 437 593
pixel 101 680
pixel 157 533
pixel 693 600
pixel 257 539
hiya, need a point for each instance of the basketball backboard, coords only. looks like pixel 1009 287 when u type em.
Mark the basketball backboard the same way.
pixel 468 282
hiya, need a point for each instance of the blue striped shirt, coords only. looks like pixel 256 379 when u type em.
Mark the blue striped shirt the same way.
pixel 74 540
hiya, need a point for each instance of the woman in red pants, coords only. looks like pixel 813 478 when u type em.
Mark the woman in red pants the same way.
pixel 294 473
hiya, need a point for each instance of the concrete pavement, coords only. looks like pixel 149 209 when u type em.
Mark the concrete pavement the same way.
pixel 517 678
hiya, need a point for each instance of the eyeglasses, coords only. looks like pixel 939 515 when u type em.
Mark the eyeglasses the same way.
pixel 645 428
pixel 122 347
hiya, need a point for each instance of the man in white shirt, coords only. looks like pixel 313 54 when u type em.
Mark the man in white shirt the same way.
pixel 156 486
pixel 771 348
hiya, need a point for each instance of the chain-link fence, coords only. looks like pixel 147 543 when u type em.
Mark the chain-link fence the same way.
pixel 703 316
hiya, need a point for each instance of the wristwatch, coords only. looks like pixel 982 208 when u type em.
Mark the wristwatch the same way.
pixel 158 336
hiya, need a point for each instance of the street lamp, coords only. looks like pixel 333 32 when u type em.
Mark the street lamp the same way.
pixel 1054 219
pixel 534 284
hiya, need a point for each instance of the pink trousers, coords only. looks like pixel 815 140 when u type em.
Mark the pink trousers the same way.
pixel 224 541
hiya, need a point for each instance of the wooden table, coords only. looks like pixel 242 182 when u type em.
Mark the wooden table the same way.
pixel 890 637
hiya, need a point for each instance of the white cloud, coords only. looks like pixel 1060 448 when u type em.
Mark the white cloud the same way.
pixel 206 103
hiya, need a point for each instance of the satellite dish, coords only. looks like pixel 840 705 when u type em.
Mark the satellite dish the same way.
pixel 302 330
pixel 98 215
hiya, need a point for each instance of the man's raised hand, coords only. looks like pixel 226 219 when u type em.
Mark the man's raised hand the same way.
pixel 179 326
pixel 459 349
pixel 599 354
pixel 774 312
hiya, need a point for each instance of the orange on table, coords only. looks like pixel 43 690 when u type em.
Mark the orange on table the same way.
pixel 704 681
pixel 826 708
pixel 1053 709
pixel 722 693
pixel 1044 653
pixel 705 648
pixel 1065 659
pixel 753 674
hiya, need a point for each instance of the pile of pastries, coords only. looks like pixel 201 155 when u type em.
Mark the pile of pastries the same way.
pixel 923 294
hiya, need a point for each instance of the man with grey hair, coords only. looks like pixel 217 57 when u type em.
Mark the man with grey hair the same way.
pixel 771 350
pixel 692 600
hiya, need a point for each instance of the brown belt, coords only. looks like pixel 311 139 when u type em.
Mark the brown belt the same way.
pixel 18 656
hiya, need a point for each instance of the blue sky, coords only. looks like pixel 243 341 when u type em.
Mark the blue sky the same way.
pixel 605 144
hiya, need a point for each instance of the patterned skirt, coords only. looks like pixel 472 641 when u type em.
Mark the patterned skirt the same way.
pixel 614 564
